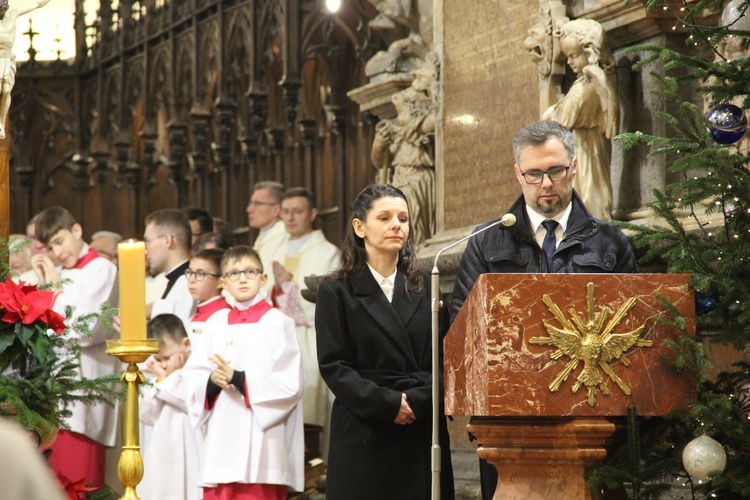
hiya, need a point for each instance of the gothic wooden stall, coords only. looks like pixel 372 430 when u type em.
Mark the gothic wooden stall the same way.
pixel 182 102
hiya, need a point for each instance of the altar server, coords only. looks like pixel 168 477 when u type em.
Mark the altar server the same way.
pixel 84 280
pixel 251 375
pixel 172 458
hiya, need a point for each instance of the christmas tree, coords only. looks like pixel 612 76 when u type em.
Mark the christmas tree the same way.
pixel 702 228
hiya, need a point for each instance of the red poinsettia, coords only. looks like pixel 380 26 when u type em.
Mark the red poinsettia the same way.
pixel 27 304
pixel 39 370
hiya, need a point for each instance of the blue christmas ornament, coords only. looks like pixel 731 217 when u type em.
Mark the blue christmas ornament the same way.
pixel 728 123
pixel 705 302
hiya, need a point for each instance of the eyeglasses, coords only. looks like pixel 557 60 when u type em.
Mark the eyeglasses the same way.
pixel 199 275
pixel 148 241
pixel 106 254
pixel 294 211
pixel 257 204
pixel 250 274
pixel 555 174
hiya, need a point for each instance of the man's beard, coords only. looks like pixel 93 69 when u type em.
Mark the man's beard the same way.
pixel 549 209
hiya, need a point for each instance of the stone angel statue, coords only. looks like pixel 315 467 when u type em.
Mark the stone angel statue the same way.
pixel 590 110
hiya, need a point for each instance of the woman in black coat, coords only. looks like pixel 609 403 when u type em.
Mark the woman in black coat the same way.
pixel 373 324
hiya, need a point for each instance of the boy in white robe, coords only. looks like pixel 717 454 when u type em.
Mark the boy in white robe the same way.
pixel 250 392
pixel 90 280
pixel 171 461
pixel 203 282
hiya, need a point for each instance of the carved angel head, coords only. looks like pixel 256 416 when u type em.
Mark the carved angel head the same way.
pixel 590 36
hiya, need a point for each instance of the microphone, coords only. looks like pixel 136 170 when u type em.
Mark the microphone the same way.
pixel 507 220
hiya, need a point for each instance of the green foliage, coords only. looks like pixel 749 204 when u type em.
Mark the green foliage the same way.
pixel 702 227
pixel 640 461
pixel 38 389
pixel 40 356
pixel 103 494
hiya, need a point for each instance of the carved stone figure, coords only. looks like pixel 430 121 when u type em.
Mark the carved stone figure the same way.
pixel 589 110
pixel 8 19
pixel 538 43
pixel 544 51
pixel 403 149
pixel 405 55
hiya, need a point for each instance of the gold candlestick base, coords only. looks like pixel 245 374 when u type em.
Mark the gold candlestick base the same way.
pixel 130 466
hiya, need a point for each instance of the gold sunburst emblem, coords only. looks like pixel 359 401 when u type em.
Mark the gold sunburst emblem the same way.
pixel 592 343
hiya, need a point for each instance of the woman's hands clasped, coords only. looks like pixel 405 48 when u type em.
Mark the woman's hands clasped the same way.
pixel 405 413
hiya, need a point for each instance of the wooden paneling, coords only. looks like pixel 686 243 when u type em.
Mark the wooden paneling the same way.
pixel 187 106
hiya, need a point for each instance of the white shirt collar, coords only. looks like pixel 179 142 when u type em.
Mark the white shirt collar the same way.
pixel 244 306
pixel 294 246
pixel 268 228
pixel 536 218
pixel 386 284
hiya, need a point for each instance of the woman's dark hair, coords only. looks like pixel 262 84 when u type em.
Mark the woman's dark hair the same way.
pixel 353 253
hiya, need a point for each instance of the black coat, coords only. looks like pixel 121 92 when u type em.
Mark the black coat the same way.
pixel 369 352
pixel 590 246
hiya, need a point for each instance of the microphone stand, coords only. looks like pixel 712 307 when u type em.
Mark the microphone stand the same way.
pixel 436 304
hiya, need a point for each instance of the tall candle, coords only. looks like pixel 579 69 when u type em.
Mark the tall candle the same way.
pixel 132 258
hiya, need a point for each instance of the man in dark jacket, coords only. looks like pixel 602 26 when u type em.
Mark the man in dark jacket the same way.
pixel 553 233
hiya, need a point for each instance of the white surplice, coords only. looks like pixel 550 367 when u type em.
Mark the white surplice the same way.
pixel 92 282
pixel 256 438
pixel 171 462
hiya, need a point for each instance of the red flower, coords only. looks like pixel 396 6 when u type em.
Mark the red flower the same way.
pixel 55 321
pixel 28 304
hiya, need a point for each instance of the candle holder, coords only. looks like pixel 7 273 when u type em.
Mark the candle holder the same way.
pixel 130 466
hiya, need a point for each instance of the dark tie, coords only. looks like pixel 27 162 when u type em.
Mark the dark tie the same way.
pixel 548 245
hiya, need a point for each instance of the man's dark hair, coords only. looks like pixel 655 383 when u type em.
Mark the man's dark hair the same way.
pixel 297 192
pixel 237 253
pixel 275 189
pixel 205 239
pixel 51 220
pixel 205 221
pixel 212 255
pixel 536 133
pixel 173 222
pixel 166 326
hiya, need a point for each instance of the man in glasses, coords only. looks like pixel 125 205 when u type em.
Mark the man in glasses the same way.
pixel 105 243
pixel 553 233
pixel 264 215
pixel 167 237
